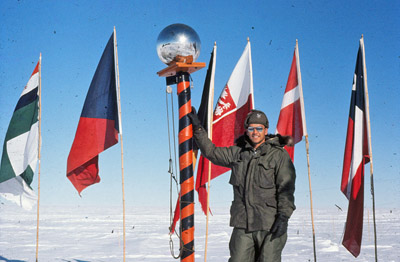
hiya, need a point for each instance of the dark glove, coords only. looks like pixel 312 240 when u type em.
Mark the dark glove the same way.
pixel 280 226
pixel 194 119
pixel 283 140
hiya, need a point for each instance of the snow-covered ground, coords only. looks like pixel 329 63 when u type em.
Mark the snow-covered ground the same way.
pixel 93 234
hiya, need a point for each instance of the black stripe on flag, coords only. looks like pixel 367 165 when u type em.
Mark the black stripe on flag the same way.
pixel 203 108
pixel 28 98
pixel 205 97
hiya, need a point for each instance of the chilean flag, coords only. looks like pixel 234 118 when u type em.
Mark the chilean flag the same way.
pixel 98 126
pixel 291 121
pixel 356 155
pixel 234 103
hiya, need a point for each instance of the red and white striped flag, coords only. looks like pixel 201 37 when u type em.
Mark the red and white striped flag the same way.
pixel 292 121
pixel 234 103
pixel 356 155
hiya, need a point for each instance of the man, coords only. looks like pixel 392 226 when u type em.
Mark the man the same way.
pixel 263 180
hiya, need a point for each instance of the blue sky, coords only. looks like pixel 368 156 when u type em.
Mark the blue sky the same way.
pixel 71 35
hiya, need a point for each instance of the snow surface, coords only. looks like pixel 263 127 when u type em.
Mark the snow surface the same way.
pixel 94 234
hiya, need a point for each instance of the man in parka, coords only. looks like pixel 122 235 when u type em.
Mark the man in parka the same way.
pixel 263 180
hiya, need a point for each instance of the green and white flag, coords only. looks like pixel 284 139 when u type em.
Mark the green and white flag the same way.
pixel 21 145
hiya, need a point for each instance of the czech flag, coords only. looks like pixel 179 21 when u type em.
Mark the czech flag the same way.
pixel 98 126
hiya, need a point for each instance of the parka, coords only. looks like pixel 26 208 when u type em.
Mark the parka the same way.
pixel 263 179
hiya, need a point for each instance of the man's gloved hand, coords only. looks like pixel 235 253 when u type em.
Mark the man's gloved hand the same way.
pixel 285 140
pixel 194 119
pixel 280 226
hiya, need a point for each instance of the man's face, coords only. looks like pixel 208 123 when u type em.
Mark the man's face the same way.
pixel 257 133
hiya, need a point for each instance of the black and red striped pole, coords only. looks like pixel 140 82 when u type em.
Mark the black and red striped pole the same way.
pixel 178 46
pixel 185 138
pixel 180 73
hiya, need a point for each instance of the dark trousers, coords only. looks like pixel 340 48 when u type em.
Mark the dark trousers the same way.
pixel 255 246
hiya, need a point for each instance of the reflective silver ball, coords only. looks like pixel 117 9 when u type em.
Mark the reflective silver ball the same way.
pixel 178 43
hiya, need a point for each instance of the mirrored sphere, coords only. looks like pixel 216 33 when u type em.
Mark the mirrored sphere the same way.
pixel 178 43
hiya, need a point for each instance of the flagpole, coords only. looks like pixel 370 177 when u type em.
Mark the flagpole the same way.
pixel 369 143
pixel 122 144
pixel 210 118
pixel 251 74
pixel 39 148
pixel 208 200
pixel 307 143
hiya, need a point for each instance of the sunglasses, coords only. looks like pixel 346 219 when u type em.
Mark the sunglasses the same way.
pixel 252 128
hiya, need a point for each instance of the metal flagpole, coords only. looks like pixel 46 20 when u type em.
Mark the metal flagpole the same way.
pixel 122 144
pixel 39 148
pixel 303 117
pixel 210 118
pixel 369 142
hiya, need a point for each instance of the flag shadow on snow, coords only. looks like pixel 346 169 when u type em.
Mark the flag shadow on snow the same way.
pixel 76 260
pixel 10 260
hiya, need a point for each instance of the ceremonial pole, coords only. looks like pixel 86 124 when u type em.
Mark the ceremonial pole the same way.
pixel 186 167
pixel 178 46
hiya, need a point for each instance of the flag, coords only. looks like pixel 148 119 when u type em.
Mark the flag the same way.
pixel 204 113
pixel 21 145
pixel 234 103
pixel 206 104
pixel 291 121
pixel 355 157
pixel 98 126
pixel 206 116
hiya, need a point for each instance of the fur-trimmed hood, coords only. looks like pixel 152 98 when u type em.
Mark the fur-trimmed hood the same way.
pixel 277 140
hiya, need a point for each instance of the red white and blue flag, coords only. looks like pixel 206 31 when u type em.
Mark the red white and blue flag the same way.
pixel 292 121
pixel 98 126
pixel 356 155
